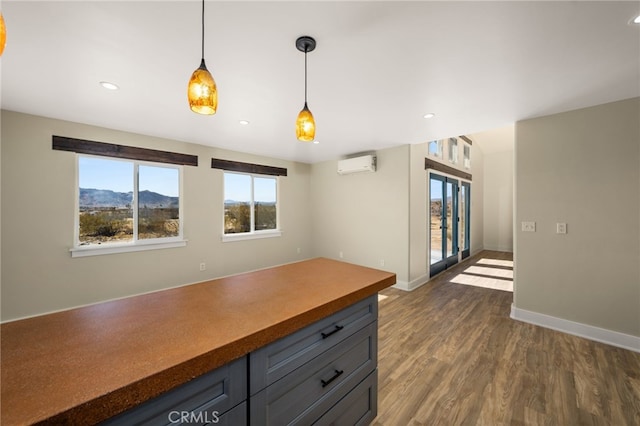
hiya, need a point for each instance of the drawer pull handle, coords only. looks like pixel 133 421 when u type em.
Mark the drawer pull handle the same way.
pixel 335 376
pixel 335 330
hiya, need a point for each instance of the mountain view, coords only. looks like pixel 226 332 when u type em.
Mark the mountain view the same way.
pixel 95 198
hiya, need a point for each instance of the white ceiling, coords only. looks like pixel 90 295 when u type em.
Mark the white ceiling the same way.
pixel 377 69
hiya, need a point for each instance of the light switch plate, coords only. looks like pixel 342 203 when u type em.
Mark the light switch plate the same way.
pixel 561 228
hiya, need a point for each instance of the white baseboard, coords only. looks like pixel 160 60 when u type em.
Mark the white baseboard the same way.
pixel 614 338
pixel 411 285
pixel 508 249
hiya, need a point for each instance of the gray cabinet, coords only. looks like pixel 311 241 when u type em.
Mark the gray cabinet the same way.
pixel 311 375
pixel 358 408
pixel 274 361
pixel 215 397
pixel 323 374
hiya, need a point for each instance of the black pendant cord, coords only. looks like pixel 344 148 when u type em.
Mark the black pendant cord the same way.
pixel 305 77
pixel 305 44
pixel 202 30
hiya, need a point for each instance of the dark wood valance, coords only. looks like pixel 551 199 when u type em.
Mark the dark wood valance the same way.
pixel 466 139
pixel 434 165
pixel 82 146
pixel 237 166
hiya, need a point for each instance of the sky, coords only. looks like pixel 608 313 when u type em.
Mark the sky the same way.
pixel 237 187
pixel 115 175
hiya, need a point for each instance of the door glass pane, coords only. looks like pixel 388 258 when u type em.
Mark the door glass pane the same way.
pixel 105 200
pixel 463 217
pixel 158 202
pixel 265 203
pixel 435 207
pixel 237 203
pixel 450 217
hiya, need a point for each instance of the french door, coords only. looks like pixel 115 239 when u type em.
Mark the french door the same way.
pixel 443 206
pixel 465 219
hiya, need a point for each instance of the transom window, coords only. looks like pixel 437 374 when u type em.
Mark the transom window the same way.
pixel 435 148
pixel 250 205
pixel 453 150
pixel 467 156
pixel 127 202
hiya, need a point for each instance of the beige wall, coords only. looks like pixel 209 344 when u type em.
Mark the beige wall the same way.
pixel 498 201
pixel 364 215
pixel 478 189
pixel 418 217
pixel 38 190
pixel 580 167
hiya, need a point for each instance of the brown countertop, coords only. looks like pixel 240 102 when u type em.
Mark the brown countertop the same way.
pixel 84 365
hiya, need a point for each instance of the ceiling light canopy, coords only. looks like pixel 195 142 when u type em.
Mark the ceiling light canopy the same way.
pixel 305 124
pixel 429 115
pixel 202 92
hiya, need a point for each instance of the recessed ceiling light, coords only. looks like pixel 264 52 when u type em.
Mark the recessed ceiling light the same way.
pixel 636 20
pixel 109 86
pixel 429 115
pixel 316 142
pixel 243 122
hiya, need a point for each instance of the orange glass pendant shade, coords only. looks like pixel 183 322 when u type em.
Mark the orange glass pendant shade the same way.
pixel 305 125
pixel 202 91
pixel 3 34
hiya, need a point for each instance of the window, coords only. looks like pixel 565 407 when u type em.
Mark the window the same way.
pixel 453 150
pixel 124 203
pixel 467 156
pixel 435 148
pixel 250 206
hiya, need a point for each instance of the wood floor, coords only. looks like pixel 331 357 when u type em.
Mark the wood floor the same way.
pixel 449 354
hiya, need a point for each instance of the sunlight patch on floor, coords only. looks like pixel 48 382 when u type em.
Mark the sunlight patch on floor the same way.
pixel 490 272
pixel 485 282
pixel 495 262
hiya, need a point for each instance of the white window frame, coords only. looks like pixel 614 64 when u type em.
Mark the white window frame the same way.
pixel 252 234
pixel 136 244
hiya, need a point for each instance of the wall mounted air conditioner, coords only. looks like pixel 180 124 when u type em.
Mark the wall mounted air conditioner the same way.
pixel 365 163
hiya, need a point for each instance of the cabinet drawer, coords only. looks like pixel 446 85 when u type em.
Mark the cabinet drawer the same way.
pixel 307 393
pixel 235 417
pixel 207 396
pixel 281 357
pixel 358 408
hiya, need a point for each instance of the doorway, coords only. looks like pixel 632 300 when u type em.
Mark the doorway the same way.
pixel 444 221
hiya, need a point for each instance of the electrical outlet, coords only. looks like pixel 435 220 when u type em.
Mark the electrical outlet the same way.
pixel 203 266
pixel 528 227
pixel 341 255
pixel 561 228
pixel 298 250
pixel 381 262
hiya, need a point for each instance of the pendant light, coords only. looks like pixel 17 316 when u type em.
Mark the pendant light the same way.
pixel 202 92
pixel 305 124
pixel 3 34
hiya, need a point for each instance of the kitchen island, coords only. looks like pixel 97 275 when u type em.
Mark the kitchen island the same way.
pixel 88 364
